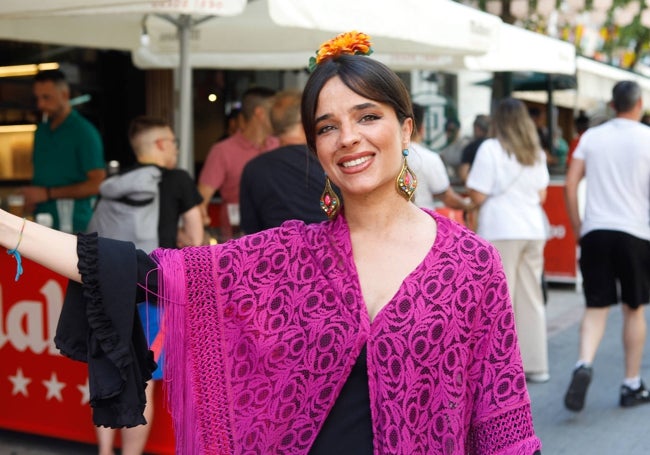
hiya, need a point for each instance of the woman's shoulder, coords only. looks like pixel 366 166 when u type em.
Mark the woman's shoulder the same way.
pixel 490 149
pixel 491 144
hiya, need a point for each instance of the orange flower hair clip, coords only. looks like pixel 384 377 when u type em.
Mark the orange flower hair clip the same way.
pixel 349 43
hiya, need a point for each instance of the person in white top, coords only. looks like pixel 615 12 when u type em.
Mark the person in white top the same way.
pixel 614 238
pixel 433 182
pixel 508 180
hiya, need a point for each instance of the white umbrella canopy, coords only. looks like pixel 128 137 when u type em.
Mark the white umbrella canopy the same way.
pixel 109 24
pixel 283 34
pixel 515 49
pixel 254 35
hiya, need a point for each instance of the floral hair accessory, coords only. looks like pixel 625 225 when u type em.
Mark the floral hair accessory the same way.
pixel 349 43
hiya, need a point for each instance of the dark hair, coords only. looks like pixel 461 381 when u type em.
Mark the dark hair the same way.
pixel 364 76
pixel 582 122
pixel 452 122
pixel 234 113
pixel 534 112
pixel 418 116
pixel 625 95
pixel 285 111
pixel 254 97
pixel 145 123
pixel 482 122
pixel 55 76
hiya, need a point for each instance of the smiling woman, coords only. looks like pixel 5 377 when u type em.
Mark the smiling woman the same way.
pixel 386 329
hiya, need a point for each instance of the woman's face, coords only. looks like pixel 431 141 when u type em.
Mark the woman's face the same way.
pixel 359 141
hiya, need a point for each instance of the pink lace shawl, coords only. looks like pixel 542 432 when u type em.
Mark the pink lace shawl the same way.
pixel 263 331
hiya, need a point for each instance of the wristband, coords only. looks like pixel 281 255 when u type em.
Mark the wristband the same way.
pixel 14 252
pixel 48 193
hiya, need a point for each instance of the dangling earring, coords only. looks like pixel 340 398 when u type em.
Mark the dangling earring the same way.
pixel 406 179
pixel 329 201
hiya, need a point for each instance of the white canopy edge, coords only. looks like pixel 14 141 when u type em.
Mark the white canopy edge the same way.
pixel 284 34
pixel 518 49
pixel 20 9
pixel 441 24
pixel 515 49
pixel 595 83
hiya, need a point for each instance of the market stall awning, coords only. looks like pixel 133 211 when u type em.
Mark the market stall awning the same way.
pixel 595 81
pixel 533 81
pixel 515 49
pixel 283 34
pixel 258 34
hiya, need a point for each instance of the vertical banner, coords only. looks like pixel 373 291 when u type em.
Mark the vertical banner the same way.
pixel 560 252
pixel 41 391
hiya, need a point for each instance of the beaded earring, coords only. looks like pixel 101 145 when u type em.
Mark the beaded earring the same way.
pixel 406 179
pixel 329 201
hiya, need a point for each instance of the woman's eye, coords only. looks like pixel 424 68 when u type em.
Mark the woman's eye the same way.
pixel 324 129
pixel 370 117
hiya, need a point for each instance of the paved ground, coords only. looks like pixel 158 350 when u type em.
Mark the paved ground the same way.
pixel 602 428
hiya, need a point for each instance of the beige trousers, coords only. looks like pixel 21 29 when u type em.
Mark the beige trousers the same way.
pixel 523 263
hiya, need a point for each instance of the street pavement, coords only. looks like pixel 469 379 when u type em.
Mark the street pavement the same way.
pixel 602 428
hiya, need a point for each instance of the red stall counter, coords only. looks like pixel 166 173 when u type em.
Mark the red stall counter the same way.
pixel 560 253
pixel 41 391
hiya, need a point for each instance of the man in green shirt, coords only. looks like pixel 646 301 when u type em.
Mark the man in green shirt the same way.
pixel 68 157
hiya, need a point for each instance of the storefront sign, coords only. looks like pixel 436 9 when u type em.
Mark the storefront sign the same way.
pixel 560 251
pixel 41 391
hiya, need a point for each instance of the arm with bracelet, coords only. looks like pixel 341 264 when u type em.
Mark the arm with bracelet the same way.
pixel 52 249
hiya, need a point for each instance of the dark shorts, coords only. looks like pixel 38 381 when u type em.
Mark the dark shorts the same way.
pixel 613 261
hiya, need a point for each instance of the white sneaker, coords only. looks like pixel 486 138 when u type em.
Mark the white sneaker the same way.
pixel 538 378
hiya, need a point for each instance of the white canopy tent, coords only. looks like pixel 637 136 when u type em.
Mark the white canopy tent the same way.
pixel 514 49
pixel 283 34
pixel 239 34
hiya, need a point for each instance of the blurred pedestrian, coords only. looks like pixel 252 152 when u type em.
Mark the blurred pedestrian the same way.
pixel 68 157
pixel 285 183
pixel 177 200
pixel 226 160
pixel 614 238
pixel 508 182
pixel 481 128
pixel 581 123
pixel 433 182
pixel 452 151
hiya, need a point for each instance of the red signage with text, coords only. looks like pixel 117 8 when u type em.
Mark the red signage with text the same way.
pixel 560 253
pixel 41 391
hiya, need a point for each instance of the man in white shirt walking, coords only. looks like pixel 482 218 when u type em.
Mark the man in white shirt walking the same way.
pixel 614 238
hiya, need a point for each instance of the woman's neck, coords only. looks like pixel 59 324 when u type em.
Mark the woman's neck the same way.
pixel 378 214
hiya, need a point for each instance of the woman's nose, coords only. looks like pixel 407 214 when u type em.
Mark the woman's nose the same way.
pixel 349 134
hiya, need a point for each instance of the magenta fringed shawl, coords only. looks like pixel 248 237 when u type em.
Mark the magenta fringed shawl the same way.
pixel 263 331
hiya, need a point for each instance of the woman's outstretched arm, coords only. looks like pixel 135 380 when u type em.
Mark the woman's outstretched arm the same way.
pixel 52 249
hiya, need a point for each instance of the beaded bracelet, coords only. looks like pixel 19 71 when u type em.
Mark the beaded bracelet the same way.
pixel 14 252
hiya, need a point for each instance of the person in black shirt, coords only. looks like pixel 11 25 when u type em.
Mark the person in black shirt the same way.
pixel 285 183
pixel 481 129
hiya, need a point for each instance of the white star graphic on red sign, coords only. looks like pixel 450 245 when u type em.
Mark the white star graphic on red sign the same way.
pixel 85 392
pixel 54 388
pixel 20 383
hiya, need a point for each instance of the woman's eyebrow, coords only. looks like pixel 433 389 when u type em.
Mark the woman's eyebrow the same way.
pixel 356 107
